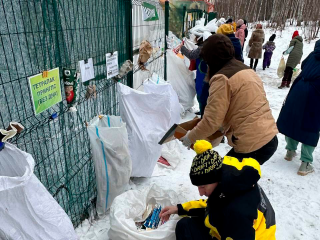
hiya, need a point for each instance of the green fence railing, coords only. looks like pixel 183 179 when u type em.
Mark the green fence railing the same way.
pixel 45 34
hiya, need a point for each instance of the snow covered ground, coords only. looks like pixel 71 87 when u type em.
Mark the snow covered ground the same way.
pixel 296 199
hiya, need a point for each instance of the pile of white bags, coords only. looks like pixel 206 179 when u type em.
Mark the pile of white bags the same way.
pixel 109 142
pixel 129 207
pixel 181 79
pixel 148 116
pixel 27 210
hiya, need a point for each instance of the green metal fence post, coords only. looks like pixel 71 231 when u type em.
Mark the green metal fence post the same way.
pixel 183 19
pixel 128 20
pixel 165 37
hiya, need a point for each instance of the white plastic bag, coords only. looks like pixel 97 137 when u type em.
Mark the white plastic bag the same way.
pixel 168 92
pixel 181 79
pixel 110 152
pixel 148 117
pixel 27 210
pixel 281 68
pixel 129 207
pixel 171 152
pixel 212 26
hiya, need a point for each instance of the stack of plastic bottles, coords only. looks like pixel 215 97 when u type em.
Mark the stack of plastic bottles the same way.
pixel 152 221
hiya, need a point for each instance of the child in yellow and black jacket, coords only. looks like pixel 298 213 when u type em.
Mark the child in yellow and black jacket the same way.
pixel 236 208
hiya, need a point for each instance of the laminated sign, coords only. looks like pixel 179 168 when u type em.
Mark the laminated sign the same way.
pixel 45 91
pixel 112 64
pixel 149 12
pixel 86 69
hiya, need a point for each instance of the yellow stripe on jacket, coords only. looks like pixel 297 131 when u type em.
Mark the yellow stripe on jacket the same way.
pixel 231 161
pixel 262 232
pixel 202 203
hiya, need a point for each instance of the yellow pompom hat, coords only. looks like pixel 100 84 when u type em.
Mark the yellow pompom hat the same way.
pixel 225 29
pixel 206 166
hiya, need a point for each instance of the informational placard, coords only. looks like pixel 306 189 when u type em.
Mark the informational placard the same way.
pixel 86 69
pixel 149 12
pixel 45 91
pixel 112 64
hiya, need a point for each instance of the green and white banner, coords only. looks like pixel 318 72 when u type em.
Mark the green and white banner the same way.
pixel 149 12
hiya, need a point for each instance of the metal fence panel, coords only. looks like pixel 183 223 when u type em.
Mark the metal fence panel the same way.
pixel 45 34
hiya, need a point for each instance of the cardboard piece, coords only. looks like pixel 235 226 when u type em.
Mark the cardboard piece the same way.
pixel 177 131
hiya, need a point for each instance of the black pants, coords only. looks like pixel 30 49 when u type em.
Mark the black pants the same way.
pixel 261 155
pixel 288 72
pixel 255 63
pixel 192 229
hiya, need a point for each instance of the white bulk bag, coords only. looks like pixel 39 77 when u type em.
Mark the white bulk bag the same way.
pixel 110 152
pixel 168 92
pixel 181 79
pixel 148 117
pixel 129 207
pixel 27 210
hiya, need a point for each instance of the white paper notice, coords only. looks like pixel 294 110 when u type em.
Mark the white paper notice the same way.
pixel 86 69
pixel 112 64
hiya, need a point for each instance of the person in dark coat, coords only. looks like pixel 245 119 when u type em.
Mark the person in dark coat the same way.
pixel 255 43
pixel 227 29
pixel 269 47
pixel 245 32
pixel 299 119
pixel 295 51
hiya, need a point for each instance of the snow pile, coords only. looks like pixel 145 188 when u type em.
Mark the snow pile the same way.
pixel 294 198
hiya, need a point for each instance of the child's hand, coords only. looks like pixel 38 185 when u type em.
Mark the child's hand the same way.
pixel 167 211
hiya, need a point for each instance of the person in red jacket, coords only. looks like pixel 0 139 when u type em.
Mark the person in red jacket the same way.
pixel 236 208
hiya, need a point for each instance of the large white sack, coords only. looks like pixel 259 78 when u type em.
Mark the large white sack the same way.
pixel 147 116
pixel 129 207
pixel 167 91
pixel 27 210
pixel 212 26
pixel 171 152
pixel 181 79
pixel 110 153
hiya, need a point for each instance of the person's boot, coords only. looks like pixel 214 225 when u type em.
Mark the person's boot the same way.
pixel 283 84
pixel 290 155
pixel 288 84
pixel 305 168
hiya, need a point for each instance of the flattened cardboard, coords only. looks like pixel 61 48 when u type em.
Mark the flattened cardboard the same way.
pixel 177 131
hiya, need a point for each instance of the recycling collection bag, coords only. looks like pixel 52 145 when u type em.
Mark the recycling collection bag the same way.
pixel 27 209
pixel 182 80
pixel 281 68
pixel 110 152
pixel 148 116
pixel 129 208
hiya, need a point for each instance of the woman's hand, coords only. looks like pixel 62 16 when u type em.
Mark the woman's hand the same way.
pixel 167 211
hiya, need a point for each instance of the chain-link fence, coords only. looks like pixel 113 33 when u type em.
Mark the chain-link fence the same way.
pixel 45 34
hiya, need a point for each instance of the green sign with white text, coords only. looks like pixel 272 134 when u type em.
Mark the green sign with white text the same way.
pixel 149 12
pixel 45 91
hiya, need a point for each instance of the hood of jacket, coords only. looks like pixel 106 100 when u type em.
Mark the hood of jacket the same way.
pixel 216 52
pixel 271 43
pixel 299 38
pixel 243 26
pixel 317 50
pixel 239 175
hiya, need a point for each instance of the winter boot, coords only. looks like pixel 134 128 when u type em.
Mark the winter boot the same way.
pixel 283 84
pixel 290 155
pixel 305 168
pixel 288 84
